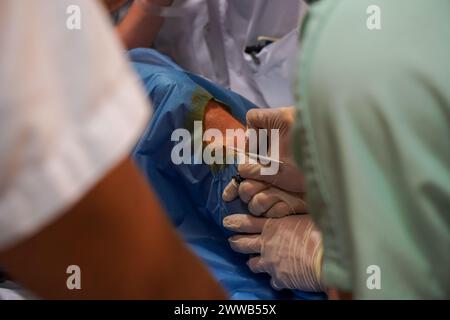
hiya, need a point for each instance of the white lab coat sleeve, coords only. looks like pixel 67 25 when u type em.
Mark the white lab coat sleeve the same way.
pixel 70 109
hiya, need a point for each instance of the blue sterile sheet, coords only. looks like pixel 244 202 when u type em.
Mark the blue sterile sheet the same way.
pixel 192 193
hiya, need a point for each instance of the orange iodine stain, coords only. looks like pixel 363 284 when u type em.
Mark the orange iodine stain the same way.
pixel 217 117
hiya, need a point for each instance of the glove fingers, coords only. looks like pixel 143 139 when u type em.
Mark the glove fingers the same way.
pixel 263 201
pixel 274 202
pixel 294 200
pixel 253 171
pixel 288 204
pixel 268 118
pixel 246 243
pixel 244 223
pixel 256 264
pixel 249 188
pixel 278 210
pixel 231 191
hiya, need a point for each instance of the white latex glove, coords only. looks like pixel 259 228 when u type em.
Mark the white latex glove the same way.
pixel 264 199
pixel 288 177
pixel 289 248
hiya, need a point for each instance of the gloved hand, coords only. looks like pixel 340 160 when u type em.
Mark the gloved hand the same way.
pixel 289 248
pixel 264 199
pixel 288 177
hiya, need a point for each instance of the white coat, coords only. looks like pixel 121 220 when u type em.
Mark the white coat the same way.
pixel 209 37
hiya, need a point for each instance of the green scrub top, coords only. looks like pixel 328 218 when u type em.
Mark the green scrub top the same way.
pixel 372 136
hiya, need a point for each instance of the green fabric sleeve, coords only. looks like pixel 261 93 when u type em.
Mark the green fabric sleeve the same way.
pixel 373 138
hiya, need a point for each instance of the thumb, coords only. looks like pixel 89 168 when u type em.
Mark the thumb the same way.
pixel 253 171
pixel 260 118
pixel 270 118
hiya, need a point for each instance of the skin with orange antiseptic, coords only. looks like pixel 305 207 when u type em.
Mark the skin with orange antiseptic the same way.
pixel 217 117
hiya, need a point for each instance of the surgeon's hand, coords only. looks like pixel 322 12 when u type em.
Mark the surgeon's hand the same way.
pixel 289 248
pixel 264 199
pixel 288 177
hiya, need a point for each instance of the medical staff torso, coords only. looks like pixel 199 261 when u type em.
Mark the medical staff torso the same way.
pixel 372 138
pixel 211 38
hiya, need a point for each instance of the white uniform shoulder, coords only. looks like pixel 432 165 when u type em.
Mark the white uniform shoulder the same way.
pixel 70 109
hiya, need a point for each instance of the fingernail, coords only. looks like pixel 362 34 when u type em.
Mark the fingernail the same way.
pixel 230 223
pixel 226 222
pixel 225 196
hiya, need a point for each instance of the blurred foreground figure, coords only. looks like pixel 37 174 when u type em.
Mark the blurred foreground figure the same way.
pixel 70 112
pixel 372 136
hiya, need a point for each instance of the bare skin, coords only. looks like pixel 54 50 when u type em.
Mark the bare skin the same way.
pixel 217 117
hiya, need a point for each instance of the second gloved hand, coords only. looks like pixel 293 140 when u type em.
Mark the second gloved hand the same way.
pixel 264 199
pixel 289 248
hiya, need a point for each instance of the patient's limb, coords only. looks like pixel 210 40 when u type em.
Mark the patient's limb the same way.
pixel 223 134
pixel 217 116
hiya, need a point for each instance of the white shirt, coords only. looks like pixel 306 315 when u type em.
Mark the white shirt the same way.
pixel 70 110
pixel 210 36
